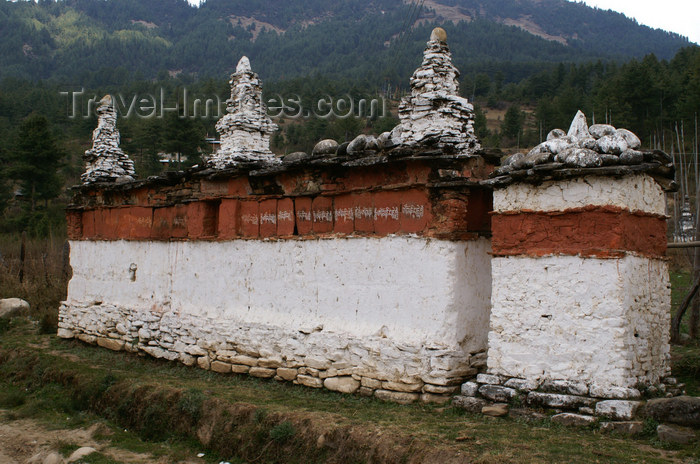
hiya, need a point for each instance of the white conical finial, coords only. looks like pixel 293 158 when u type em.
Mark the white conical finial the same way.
pixel 246 128
pixel 434 112
pixel 243 65
pixel 105 161
pixel 106 100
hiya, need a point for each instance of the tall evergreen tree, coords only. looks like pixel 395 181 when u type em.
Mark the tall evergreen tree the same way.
pixel 512 122
pixel 184 138
pixel 36 160
pixel 4 187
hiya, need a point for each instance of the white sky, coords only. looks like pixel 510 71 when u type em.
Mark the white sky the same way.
pixel 680 16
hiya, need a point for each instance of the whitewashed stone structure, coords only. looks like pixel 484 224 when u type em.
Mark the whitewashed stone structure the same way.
pixel 581 294
pixel 435 113
pixel 105 161
pixel 246 128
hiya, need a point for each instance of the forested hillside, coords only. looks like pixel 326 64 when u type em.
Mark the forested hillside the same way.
pixel 525 78
pixel 90 42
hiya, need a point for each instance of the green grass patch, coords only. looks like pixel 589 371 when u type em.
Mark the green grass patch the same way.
pixel 686 366
pixel 157 407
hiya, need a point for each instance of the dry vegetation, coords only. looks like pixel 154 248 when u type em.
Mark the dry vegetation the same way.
pixel 40 277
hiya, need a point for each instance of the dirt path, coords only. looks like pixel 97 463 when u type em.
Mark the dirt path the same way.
pixel 25 440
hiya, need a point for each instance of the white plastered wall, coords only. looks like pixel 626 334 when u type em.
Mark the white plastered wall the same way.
pixel 635 193
pixel 598 321
pixel 405 306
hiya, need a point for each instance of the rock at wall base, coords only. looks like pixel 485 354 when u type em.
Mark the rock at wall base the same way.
pixel 675 434
pixel 617 409
pixel 110 343
pixel 262 372
pixel 65 333
pixel 469 404
pixel 397 397
pixel 342 384
pixel 682 410
pixel 568 419
pixel 220 367
pixel 309 381
pixel 287 374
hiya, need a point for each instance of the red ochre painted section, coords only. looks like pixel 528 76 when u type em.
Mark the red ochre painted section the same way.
pixel 603 232
pixel 378 213
pixel 401 198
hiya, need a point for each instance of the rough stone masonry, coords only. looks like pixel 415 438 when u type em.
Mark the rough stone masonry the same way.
pixel 385 265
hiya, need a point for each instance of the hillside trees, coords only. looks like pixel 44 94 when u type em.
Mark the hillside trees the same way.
pixel 35 161
pixel 183 137
pixel 80 41
pixel 513 123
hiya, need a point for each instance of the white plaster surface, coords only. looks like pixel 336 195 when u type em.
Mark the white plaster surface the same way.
pixel 397 307
pixel 598 321
pixel 635 193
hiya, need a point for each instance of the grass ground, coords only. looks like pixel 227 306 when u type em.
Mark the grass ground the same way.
pixel 168 409
pixel 686 357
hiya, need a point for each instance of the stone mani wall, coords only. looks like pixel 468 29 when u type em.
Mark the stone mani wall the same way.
pixel 321 277
pixel 377 265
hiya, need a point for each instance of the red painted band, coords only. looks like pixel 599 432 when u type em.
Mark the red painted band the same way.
pixel 592 231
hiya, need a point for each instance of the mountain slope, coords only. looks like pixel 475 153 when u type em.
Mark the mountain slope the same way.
pixel 94 42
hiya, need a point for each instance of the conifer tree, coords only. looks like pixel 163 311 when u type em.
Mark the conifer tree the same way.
pixel 36 160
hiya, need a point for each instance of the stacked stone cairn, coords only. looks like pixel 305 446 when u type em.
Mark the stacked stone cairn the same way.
pixel 246 128
pixel 105 161
pixel 433 119
pixel 435 113
pixel 599 145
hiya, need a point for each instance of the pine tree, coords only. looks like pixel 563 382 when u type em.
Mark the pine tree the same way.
pixel 512 122
pixel 36 160
pixel 183 138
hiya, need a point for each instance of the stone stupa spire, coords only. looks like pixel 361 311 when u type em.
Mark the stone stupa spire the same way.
pixel 105 161
pixel 435 113
pixel 246 128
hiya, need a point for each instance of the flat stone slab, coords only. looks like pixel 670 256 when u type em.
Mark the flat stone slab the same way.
pixel 681 410
pixel 565 387
pixel 497 393
pixel 555 400
pixel 617 409
pixel 573 420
